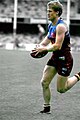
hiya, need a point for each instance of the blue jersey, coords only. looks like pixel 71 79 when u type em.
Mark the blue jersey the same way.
pixel 61 59
pixel 52 35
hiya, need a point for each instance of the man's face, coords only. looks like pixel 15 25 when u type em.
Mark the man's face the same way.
pixel 51 14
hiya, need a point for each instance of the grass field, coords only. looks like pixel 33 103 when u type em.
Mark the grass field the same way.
pixel 21 93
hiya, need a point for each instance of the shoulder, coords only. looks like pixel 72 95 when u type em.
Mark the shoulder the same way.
pixel 61 27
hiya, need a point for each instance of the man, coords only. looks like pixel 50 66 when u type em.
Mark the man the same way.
pixel 41 32
pixel 61 61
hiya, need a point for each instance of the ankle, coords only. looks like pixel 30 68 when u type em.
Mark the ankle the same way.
pixel 46 105
pixel 77 76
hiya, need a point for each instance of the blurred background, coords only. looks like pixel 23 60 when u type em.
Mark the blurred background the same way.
pixel 20 21
pixel 23 23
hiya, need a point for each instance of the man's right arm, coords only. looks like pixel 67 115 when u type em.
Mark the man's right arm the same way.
pixel 45 41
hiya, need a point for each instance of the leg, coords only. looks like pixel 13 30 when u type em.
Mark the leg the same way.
pixel 65 83
pixel 48 74
pixel 64 69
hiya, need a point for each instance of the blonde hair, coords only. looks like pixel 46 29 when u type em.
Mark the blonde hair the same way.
pixel 56 6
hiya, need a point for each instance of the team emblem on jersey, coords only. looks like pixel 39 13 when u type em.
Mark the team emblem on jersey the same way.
pixel 53 35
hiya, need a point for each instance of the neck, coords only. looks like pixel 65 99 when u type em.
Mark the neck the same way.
pixel 54 22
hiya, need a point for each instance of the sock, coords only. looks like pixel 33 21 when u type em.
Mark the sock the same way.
pixel 77 76
pixel 46 105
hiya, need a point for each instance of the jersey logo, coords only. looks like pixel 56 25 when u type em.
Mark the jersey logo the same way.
pixel 53 35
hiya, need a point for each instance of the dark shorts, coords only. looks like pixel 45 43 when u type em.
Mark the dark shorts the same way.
pixel 63 63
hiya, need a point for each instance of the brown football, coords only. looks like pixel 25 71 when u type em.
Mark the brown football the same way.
pixel 39 55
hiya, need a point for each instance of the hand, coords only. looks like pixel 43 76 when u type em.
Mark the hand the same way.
pixel 39 49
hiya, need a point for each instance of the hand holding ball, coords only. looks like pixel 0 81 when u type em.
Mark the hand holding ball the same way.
pixel 36 54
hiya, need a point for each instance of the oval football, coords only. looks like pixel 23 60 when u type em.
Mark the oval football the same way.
pixel 39 55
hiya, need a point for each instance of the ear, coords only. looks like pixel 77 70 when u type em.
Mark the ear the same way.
pixel 57 13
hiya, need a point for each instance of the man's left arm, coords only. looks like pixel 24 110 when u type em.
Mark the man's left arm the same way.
pixel 60 34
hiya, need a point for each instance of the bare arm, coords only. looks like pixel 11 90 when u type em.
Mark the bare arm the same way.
pixel 45 41
pixel 60 34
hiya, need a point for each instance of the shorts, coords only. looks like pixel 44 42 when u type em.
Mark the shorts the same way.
pixel 63 63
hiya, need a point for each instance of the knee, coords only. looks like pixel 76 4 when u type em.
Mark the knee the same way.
pixel 44 84
pixel 61 90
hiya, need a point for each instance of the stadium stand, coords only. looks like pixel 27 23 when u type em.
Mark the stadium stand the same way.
pixel 25 9
pixel 28 9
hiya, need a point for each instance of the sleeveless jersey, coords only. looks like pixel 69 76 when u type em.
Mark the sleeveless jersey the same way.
pixel 52 37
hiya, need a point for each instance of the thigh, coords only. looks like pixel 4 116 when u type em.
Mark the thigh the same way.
pixel 65 64
pixel 61 82
pixel 48 73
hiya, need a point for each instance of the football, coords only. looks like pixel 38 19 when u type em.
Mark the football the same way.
pixel 39 55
